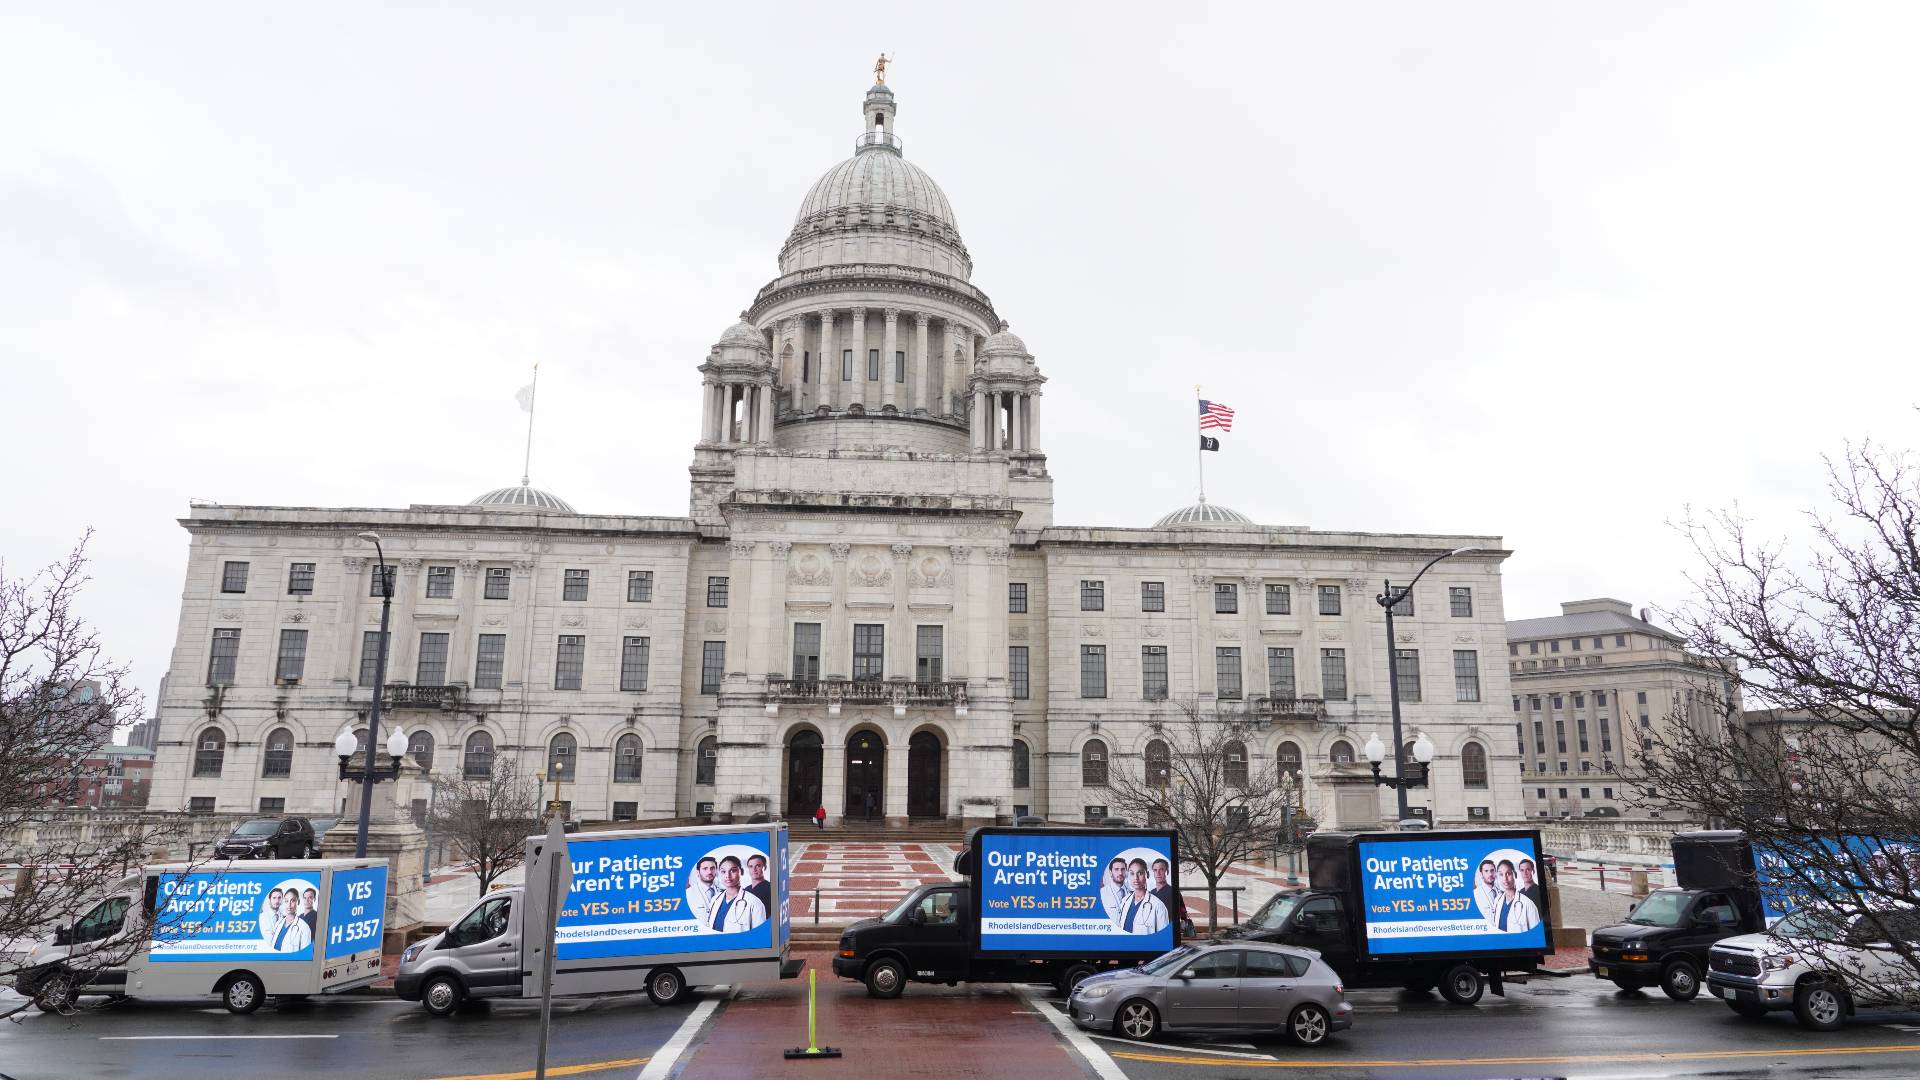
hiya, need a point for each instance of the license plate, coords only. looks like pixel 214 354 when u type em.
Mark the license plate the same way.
pixel 1600 971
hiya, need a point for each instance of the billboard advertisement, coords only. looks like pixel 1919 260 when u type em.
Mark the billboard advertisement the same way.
pixel 1790 876
pixel 653 895
pixel 1483 894
pixel 786 875
pixel 1079 892
pixel 236 915
pixel 356 910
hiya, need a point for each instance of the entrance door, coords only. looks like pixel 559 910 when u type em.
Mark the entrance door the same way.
pixel 803 775
pixel 923 776
pixel 866 776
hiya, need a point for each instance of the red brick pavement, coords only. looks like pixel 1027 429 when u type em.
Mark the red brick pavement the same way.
pixel 931 1032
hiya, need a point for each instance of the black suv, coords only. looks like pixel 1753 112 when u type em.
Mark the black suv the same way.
pixel 270 838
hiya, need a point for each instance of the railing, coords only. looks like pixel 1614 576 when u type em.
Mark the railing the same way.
pixel 867 691
pixel 877 139
pixel 1287 708
pixel 422 697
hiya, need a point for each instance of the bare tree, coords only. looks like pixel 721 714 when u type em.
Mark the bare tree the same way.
pixel 1224 804
pixel 61 697
pixel 488 818
pixel 1825 640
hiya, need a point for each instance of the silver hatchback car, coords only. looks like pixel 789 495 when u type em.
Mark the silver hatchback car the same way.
pixel 1234 987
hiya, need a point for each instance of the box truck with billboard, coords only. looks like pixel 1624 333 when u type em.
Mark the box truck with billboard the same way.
pixel 1463 910
pixel 660 910
pixel 239 931
pixel 1037 905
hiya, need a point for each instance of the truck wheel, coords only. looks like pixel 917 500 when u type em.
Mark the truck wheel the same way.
pixel 243 993
pixel 1137 1020
pixel 885 979
pixel 1752 1010
pixel 1463 984
pixel 1819 1006
pixel 1680 981
pixel 1073 977
pixel 1309 1025
pixel 441 995
pixel 666 986
pixel 56 993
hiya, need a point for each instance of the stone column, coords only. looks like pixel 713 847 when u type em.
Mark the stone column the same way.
pixel 784 356
pixel 466 590
pixel 1033 420
pixel 896 808
pixel 709 413
pixel 353 621
pixel 829 367
pixel 962 337
pixel 1306 668
pixel 857 333
pixel 765 413
pixel 836 651
pixel 745 594
pixel 1019 421
pixel 961 638
pixel 1203 676
pixel 979 426
pixel 833 781
pixel 918 372
pixel 890 344
pixel 404 647
pixel 775 609
pixel 902 620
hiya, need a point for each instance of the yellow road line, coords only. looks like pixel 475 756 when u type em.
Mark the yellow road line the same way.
pixel 1582 1059
pixel 560 1070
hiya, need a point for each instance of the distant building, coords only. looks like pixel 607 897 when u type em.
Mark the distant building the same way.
pixel 1590 688
pixel 110 778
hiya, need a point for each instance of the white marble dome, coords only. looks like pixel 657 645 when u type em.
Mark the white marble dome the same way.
pixel 743 335
pixel 1204 515
pixel 523 497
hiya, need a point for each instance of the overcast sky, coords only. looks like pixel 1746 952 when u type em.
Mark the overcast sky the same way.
pixel 1551 272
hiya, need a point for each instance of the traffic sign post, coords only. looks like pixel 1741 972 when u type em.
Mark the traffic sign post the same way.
pixel 556 879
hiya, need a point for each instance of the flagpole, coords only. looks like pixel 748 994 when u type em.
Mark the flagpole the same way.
pixel 526 464
pixel 1199 452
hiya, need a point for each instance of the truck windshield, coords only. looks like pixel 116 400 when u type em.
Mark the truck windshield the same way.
pixel 1661 909
pixel 1273 915
pixel 1168 961
pixel 900 909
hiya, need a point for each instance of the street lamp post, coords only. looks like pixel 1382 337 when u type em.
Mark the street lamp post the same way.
pixel 379 689
pixel 1388 597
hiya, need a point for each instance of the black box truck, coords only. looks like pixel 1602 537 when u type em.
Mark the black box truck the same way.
pixel 1038 905
pixel 1462 910
pixel 1665 939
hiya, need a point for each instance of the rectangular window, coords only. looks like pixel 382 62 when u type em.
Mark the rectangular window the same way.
pixel 490 662
pixel 1279 600
pixel 846 365
pixel 1406 672
pixel 1460 602
pixel 1466 676
pixel 300 579
pixel 233 577
pixel 1093 596
pixel 1333 674
pixel 1533 648
pixel 1580 730
pixel 1226 672
pixel 1619 641
pixel 1153 596
pixel 639 586
pixel 869 652
pixel 272 804
pixel 1093 671
pixel 1553 646
pixel 1560 735
pixel 1600 698
pixel 1403 607
pixel 1599 643
pixel 574 586
pixel 1017 597
pixel 1640 697
pixel 900 367
pixel 928 653
pixel 379 584
pixel 1153 672
pixel 498 580
pixel 806 367
pixel 200 804
pixel 1606 736
pixel 372 649
pixel 1539 736
pixel 806 651
pixel 292 661
pixel 873 365
pixel 432 669
pixel 626 811
pixel 1559 702
pixel 633 663
pixel 1541 793
pixel 1579 701
pixel 1226 598
pixel 713 665
pixel 1533 702
pixel 439 582
pixel 569 661
pixel 1606 793
pixel 1280 681
pixel 1576 644
pixel 1329 599
pixel 1017 671
pixel 716 592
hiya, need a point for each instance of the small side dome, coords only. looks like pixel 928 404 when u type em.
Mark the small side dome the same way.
pixel 1204 515
pixel 524 498
pixel 1004 341
pixel 743 334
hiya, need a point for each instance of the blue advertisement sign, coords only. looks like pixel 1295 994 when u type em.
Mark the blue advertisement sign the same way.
pixel 1076 892
pixel 786 875
pixel 647 896
pixel 233 915
pixel 1793 876
pixel 356 910
pixel 1482 894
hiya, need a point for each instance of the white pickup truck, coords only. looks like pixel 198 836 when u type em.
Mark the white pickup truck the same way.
pixel 1821 963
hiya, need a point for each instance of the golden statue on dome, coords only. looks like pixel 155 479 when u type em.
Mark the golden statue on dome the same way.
pixel 880 70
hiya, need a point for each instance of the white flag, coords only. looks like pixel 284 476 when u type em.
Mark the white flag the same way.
pixel 525 397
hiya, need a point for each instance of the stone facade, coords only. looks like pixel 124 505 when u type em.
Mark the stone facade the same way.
pixel 868 596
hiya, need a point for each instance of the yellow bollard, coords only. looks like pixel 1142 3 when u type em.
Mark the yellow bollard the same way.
pixel 813 1049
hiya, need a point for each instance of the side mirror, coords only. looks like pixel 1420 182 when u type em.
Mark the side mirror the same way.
pixel 1185 975
pixel 62 935
pixel 916 917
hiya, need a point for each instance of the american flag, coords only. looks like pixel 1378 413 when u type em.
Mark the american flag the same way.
pixel 1215 415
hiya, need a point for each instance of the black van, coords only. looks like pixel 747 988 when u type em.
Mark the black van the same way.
pixel 1665 939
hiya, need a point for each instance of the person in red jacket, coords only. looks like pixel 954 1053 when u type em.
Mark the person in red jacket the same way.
pixel 820 817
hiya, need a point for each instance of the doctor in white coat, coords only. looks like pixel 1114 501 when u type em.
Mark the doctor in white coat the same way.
pixel 734 909
pixel 1140 911
pixel 700 894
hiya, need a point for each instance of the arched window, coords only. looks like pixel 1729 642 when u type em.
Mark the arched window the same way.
pixel 420 749
pixel 1473 765
pixel 1406 754
pixel 1236 765
pixel 703 759
pixel 209 752
pixel 1288 759
pixel 1341 752
pixel 1022 765
pixel 1159 764
pixel 560 757
pixel 626 760
pixel 1093 764
pixel 277 760
pixel 479 757
pixel 359 740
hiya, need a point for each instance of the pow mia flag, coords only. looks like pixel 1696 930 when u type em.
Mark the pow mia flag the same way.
pixel 1209 443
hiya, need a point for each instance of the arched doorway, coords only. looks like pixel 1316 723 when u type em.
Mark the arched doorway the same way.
pixel 803 775
pixel 866 775
pixel 923 776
